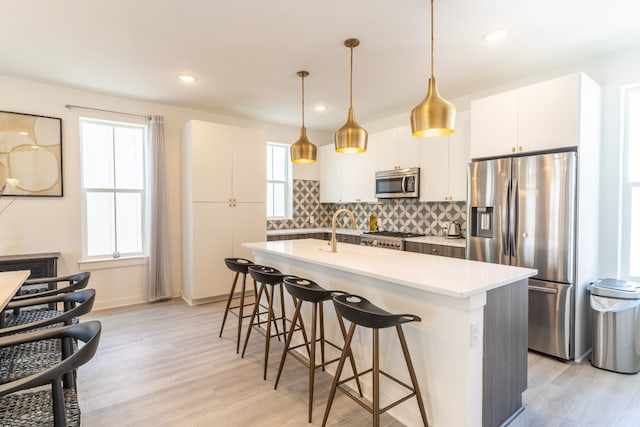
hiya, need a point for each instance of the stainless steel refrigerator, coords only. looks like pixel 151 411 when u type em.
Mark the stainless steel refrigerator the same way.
pixel 521 212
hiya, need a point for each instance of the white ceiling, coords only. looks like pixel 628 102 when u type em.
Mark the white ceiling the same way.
pixel 246 52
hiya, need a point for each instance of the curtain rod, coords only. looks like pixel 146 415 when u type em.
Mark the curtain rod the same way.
pixel 80 107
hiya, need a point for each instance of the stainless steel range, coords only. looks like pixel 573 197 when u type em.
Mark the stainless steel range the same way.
pixel 386 239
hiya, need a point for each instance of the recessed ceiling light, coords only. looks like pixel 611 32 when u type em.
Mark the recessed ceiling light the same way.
pixel 494 36
pixel 320 108
pixel 187 78
pixel 25 133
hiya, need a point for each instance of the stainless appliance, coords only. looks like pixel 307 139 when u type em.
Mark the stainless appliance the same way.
pixel 398 183
pixel 386 239
pixel 521 212
pixel 453 232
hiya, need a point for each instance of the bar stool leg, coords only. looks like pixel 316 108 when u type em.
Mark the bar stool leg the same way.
pixel 351 359
pixel 376 378
pixel 334 385
pixel 412 374
pixel 322 334
pixel 226 310
pixel 256 310
pixel 296 314
pixel 312 358
pixel 282 311
pixel 270 318
pixel 241 312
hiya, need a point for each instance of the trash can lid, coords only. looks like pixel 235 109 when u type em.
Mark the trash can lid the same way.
pixel 614 288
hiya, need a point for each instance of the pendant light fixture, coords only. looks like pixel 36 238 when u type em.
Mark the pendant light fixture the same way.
pixel 351 138
pixel 434 116
pixel 303 150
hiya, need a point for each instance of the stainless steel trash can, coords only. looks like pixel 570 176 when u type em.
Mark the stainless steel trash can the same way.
pixel 615 314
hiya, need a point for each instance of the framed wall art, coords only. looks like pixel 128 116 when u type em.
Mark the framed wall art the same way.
pixel 31 154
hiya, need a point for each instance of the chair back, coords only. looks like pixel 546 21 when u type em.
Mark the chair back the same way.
pixel 76 304
pixel 75 282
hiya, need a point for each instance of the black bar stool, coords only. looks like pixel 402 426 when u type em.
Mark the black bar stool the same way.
pixel 238 266
pixel 361 312
pixel 304 290
pixel 268 278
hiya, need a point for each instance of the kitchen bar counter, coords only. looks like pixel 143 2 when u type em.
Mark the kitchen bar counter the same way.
pixel 469 351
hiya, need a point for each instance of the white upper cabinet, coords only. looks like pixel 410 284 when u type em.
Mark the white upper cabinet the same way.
pixel 494 125
pixel 548 114
pixel 540 117
pixel 398 149
pixel 330 174
pixel 347 178
pixel 225 161
pixel 443 164
pixel 358 174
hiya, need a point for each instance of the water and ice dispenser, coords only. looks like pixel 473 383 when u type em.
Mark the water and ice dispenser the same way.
pixel 482 221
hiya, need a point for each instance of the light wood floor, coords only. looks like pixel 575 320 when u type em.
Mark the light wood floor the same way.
pixel 163 364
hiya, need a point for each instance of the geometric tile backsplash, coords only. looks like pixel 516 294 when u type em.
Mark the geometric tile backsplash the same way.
pixel 408 215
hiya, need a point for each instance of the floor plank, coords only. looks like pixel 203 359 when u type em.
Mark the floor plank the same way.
pixel 163 364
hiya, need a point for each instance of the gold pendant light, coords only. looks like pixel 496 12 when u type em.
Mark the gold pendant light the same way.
pixel 351 138
pixel 303 150
pixel 434 116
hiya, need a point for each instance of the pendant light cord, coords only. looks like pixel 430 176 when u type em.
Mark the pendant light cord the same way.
pixel 302 101
pixel 432 44
pixel 351 80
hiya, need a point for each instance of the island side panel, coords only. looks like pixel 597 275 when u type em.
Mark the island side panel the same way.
pixel 505 351
pixel 448 368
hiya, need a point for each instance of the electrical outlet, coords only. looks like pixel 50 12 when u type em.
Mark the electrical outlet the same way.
pixel 312 220
pixel 474 333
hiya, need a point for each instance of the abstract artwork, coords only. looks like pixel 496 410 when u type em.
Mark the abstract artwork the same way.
pixel 31 152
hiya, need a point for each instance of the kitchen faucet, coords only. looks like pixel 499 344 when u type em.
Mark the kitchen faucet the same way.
pixel 334 241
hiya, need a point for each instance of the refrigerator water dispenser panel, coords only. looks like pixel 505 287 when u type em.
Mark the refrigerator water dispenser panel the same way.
pixel 482 222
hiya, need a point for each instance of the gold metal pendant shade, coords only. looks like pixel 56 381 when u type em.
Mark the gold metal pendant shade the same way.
pixel 434 116
pixel 351 138
pixel 303 150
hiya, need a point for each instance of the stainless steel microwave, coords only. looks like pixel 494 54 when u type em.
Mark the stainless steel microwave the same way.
pixel 398 183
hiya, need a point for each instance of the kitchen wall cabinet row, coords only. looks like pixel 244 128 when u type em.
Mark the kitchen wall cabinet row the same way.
pixel 540 117
pixel 349 178
pixel 223 203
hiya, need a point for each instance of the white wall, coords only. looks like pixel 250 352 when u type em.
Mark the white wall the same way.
pixel 36 225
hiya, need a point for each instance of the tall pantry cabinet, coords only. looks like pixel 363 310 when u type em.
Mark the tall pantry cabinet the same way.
pixel 223 203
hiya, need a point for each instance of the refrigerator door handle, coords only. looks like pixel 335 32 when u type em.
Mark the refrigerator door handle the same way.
pixel 513 218
pixel 505 219
pixel 542 289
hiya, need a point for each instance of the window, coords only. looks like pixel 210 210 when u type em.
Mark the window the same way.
pixel 279 182
pixel 113 188
pixel 630 254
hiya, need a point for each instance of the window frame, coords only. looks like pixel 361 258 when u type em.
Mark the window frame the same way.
pixel 288 181
pixel 626 186
pixel 143 193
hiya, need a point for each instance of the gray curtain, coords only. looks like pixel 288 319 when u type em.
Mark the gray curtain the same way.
pixel 158 268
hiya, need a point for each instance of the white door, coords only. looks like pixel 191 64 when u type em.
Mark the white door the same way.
pixel 211 161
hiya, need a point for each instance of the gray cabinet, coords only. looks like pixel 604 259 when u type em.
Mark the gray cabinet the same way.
pixel 432 249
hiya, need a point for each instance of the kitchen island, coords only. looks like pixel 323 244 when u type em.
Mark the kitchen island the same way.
pixel 469 351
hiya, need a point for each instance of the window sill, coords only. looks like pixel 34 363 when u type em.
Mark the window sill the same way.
pixel 98 264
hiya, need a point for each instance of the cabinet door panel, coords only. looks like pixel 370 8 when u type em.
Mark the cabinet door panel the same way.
pixel 387 149
pixel 211 161
pixel 249 225
pixel 358 173
pixel 548 114
pixel 408 147
pixel 330 174
pixel 212 237
pixel 249 166
pixel 459 157
pixel 434 169
pixel 494 125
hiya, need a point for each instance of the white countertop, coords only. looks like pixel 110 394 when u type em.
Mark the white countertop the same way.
pixel 452 277
pixel 434 240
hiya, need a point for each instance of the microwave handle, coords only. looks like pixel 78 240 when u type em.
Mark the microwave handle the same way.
pixel 404 184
